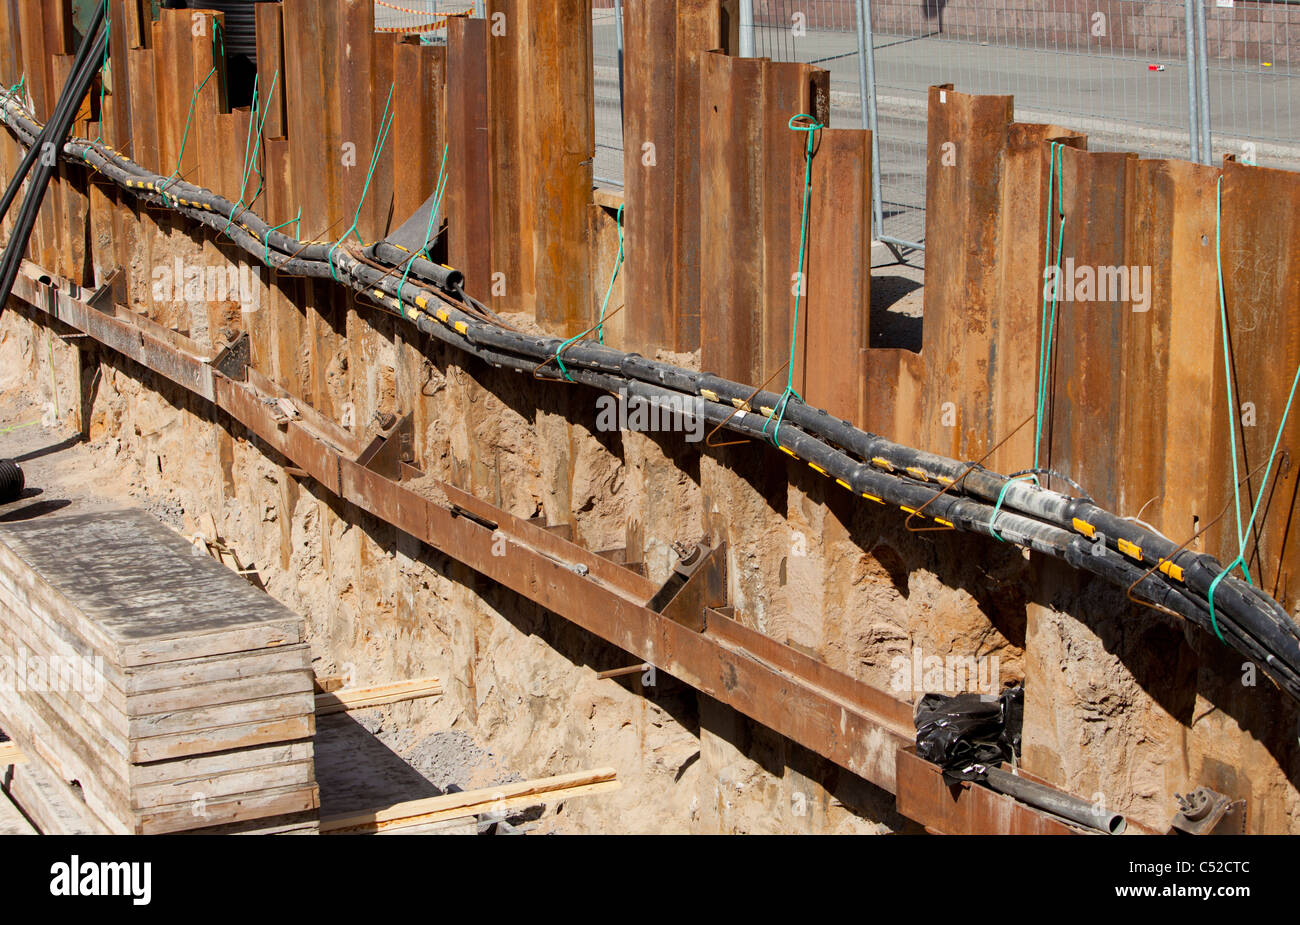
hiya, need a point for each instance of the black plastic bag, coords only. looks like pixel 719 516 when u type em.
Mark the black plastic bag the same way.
pixel 964 732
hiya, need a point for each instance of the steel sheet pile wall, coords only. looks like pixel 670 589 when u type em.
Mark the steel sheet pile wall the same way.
pixel 1134 403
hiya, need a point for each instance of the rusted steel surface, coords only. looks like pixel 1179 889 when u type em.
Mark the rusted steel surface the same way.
pixel 966 138
pixel 789 89
pixel 469 192
pixel 509 122
pixel 732 192
pixel 142 145
pixel 1261 270
pixel 1169 346
pixel 892 392
pixel 117 130
pixel 562 138
pixel 837 274
pixel 269 22
pixel 160 354
pixel 965 808
pixel 665 40
pixel 751 192
pixel 416 141
pixel 1087 378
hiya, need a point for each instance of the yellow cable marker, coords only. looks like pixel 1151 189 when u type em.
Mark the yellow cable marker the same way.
pixel 872 498
pixel 882 463
pixel 910 510
pixel 845 484
pixel 1173 571
pixel 1085 528
pixel 461 327
pixel 1129 549
pixel 919 473
pixel 787 450
pixel 710 395
pixel 946 523
pixel 442 315
pixel 817 467
pixel 421 301
pixel 741 404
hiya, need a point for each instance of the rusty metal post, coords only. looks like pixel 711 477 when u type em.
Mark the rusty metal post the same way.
pixel 665 41
pixel 966 142
pixel 732 192
pixel 469 193
pixel 838 274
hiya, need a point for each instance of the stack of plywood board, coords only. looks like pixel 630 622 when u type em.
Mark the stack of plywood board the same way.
pixel 153 683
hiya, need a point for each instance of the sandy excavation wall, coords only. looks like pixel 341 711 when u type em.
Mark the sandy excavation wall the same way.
pixel 1124 704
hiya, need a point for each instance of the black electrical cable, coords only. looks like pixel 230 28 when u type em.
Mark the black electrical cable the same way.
pixel 963 496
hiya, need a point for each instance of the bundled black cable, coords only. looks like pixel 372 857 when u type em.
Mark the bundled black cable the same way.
pixel 44 151
pixel 961 496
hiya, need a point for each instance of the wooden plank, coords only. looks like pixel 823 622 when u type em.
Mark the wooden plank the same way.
pixel 223 738
pixel 11 754
pixel 362 698
pixel 12 821
pixel 227 810
pixel 50 803
pixel 505 797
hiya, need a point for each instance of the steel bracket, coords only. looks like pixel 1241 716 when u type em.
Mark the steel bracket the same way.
pixel 392 450
pixel 232 361
pixel 698 582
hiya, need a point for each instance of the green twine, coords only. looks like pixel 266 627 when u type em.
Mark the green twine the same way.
pixel 266 245
pixel 997 508
pixel 255 126
pixel 439 189
pixel 220 41
pixel 618 265
pixel 600 324
pixel 14 92
pixel 1243 535
pixel 1047 323
pixel 811 126
pixel 385 124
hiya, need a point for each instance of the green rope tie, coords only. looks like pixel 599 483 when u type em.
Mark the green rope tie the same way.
pixel 618 265
pixel 600 324
pixel 220 40
pixel 1243 534
pixel 997 508
pixel 255 126
pixel 439 189
pixel 1047 321
pixel 385 124
pixel 266 246
pixel 806 124
pixel 14 92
